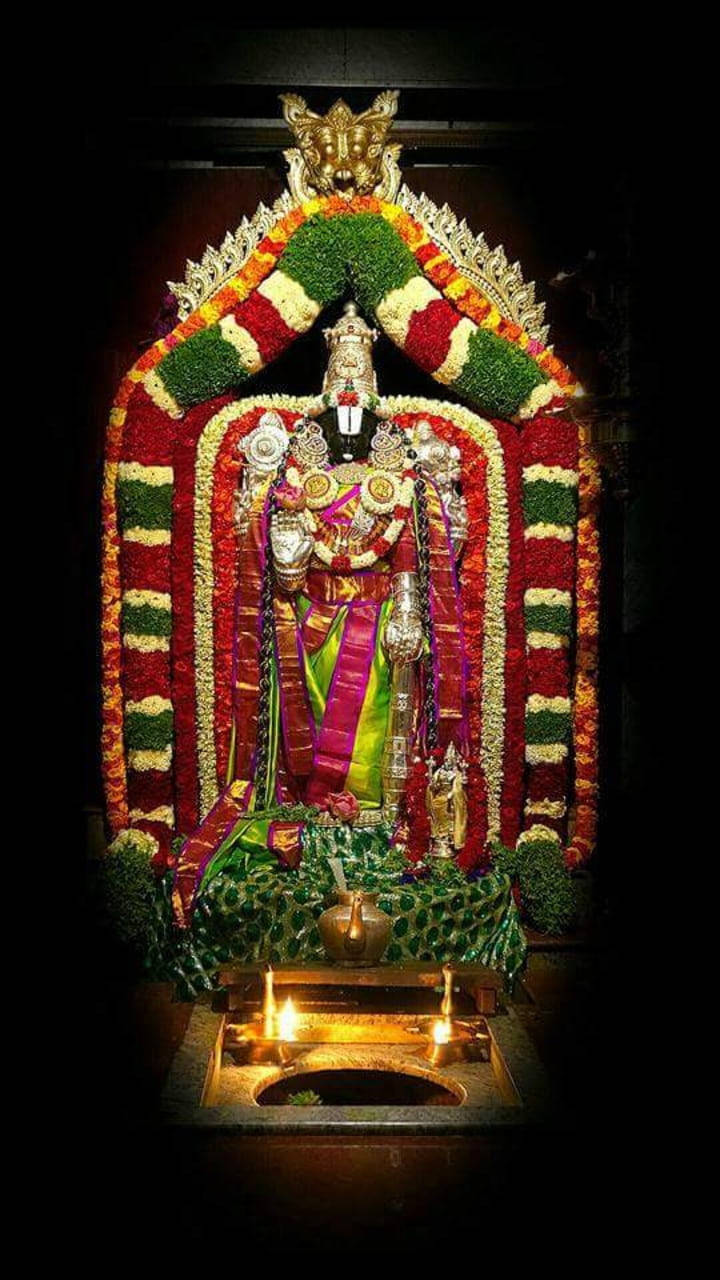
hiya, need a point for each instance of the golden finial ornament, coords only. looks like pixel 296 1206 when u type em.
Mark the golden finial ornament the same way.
pixel 341 152
pixel 346 154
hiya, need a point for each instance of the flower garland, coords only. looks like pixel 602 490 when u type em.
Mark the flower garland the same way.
pixel 550 450
pixel 513 769
pixel 143 494
pixel 113 754
pixel 184 657
pixel 486 358
pixel 391 286
pixel 129 839
pixel 585 694
pixel 414 816
pixel 349 397
pixel 546 892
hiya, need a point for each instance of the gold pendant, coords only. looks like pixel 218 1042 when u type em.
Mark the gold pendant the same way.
pixel 350 472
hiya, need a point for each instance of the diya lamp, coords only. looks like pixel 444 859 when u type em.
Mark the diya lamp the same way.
pixel 451 1040
pixel 271 1038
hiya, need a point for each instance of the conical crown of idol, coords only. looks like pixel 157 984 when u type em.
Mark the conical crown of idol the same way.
pixel 350 343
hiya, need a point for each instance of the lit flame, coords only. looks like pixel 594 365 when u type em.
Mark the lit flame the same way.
pixel 269 1006
pixel 442 1031
pixel 287 1022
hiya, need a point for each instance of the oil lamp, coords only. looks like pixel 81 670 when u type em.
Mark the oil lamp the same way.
pixel 267 1040
pixel 452 1040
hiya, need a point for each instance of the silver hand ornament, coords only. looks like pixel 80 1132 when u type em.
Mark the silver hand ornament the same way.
pixel 292 546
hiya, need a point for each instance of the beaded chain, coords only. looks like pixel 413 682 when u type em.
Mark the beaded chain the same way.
pixel 423 552
pixel 267 652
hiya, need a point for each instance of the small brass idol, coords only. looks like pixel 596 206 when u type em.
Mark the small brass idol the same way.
pixel 355 932
pixel 447 806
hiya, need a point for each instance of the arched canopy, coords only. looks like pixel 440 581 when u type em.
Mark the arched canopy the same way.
pixel 388 260
pixel 312 255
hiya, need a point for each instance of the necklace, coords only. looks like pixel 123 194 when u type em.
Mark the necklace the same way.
pixel 335 553
pixel 351 472
pixel 387 485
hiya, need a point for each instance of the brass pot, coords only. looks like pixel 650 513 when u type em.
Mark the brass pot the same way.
pixel 355 932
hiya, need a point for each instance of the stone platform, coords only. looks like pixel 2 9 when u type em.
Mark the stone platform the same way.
pixel 207 1090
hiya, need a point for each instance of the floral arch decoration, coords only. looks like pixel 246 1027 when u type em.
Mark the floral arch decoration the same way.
pixel 161 497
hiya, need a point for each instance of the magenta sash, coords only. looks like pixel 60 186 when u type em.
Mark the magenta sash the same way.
pixel 348 687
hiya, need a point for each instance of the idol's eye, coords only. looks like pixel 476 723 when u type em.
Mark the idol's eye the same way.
pixel 356 149
pixel 329 149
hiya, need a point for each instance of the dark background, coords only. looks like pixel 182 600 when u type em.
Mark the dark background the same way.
pixel 544 134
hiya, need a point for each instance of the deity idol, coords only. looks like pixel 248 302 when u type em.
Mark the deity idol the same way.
pixel 348 627
pixel 350 531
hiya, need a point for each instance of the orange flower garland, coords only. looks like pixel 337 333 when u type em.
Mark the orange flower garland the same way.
pixel 585 693
pixel 113 751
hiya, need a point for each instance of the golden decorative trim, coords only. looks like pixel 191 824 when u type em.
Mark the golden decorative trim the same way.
pixel 366 818
pixel 488 269
pixel 203 279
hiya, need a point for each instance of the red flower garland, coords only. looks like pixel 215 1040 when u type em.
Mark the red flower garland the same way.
pixel 147 440
pixel 414 814
pixel 550 440
pixel 429 333
pixel 263 321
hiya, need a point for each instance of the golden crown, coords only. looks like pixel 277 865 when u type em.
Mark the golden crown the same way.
pixel 350 342
pixel 350 328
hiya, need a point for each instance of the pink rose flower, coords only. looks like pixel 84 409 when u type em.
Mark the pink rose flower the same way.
pixel 290 496
pixel 343 805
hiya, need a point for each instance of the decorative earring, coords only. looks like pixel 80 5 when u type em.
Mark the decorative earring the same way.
pixel 309 446
pixel 387 448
